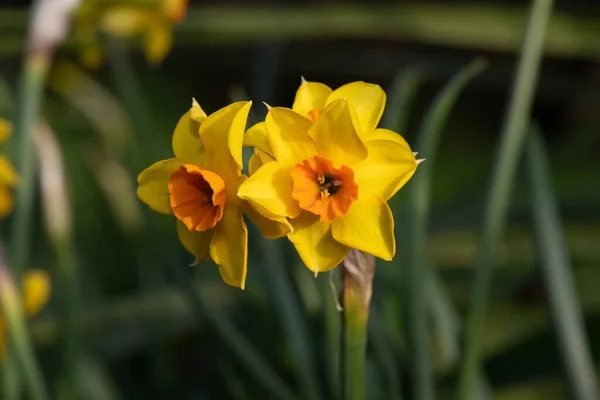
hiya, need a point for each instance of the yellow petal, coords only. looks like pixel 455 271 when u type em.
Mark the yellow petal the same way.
pixel 158 40
pixel 269 191
pixel 257 160
pixel 5 130
pixel 386 169
pixel 257 137
pixel 335 135
pixel 186 142
pixel 269 228
pixel 36 291
pixel 124 21
pixel 229 245
pixel 316 246
pixel 368 101
pixel 8 175
pixel 196 242
pixel 310 95
pixel 368 226
pixel 6 201
pixel 386 134
pixel 288 135
pixel 154 184
pixel 222 134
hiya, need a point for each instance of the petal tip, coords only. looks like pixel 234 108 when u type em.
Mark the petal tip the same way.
pixel 419 161
pixel 303 80
pixel 193 264
pixel 316 273
pixel 266 105
pixel 415 153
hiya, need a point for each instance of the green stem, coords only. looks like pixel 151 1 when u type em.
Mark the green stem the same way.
pixel 509 151
pixel 30 98
pixel 19 337
pixel 357 276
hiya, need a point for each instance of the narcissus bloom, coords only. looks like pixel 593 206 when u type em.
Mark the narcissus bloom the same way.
pixel 152 21
pixel 199 187
pixel 326 168
pixel 36 290
pixel 8 175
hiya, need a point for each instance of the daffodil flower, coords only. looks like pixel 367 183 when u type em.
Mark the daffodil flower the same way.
pixel 199 187
pixel 326 168
pixel 8 175
pixel 151 21
pixel 36 290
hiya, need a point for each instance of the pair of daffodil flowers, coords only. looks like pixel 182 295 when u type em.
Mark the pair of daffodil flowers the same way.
pixel 321 174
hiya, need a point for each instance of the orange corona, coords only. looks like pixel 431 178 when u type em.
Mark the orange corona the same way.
pixel 322 189
pixel 197 197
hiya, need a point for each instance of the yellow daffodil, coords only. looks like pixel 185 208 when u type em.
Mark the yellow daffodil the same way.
pixel 199 187
pixel 36 290
pixel 8 175
pixel 152 21
pixel 325 167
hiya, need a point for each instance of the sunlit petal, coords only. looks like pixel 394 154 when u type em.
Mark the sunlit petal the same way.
pixel 256 137
pixel 310 96
pixel 154 184
pixel 270 189
pixel 229 245
pixel 335 135
pixel 316 246
pixel 386 169
pixel 288 135
pixel 368 226
pixel 222 134
pixel 368 101
pixel 269 228
pixel 186 137
pixel 197 243
pixel 257 160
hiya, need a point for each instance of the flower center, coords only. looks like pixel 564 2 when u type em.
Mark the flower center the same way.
pixel 197 197
pixel 322 189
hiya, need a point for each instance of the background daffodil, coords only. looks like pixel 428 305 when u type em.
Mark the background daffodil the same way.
pixel 326 167
pixel 36 290
pixel 152 21
pixel 8 175
pixel 199 187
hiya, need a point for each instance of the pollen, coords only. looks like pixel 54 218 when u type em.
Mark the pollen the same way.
pixel 322 189
pixel 197 197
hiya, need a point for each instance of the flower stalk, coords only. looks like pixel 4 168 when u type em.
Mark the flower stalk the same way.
pixel 358 269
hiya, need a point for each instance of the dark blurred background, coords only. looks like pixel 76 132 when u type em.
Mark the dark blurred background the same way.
pixel 146 338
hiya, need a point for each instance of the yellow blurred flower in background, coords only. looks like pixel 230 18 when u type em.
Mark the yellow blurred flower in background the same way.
pixel 199 187
pixel 326 168
pixel 36 289
pixel 151 21
pixel 8 175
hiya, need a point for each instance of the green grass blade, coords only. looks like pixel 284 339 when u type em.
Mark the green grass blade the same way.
pixel 558 276
pixel 509 150
pixel 403 90
pixel 248 356
pixel 427 143
pixel 28 111
pixel 287 304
